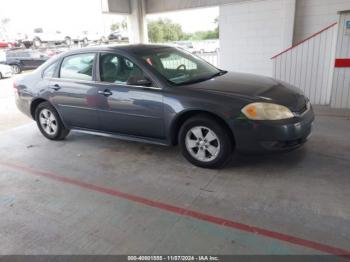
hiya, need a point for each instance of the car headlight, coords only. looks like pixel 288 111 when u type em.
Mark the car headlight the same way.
pixel 266 111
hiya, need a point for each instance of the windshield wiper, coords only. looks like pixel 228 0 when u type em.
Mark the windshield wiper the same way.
pixel 202 79
pixel 220 73
pixel 193 81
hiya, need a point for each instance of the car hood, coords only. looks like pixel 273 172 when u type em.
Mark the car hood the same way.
pixel 254 88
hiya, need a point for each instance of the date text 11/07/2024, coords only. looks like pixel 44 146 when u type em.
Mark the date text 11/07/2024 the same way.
pixel 173 258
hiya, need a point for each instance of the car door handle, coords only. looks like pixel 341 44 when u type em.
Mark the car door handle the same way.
pixel 55 87
pixel 106 92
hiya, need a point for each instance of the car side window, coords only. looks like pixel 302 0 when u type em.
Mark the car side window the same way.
pixel 117 69
pixel 50 70
pixel 78 67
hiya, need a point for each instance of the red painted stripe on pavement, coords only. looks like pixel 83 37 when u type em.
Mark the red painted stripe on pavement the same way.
pixel 187 212
pixel 342 62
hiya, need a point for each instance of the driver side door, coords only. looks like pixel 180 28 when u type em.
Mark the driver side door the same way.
pixel 125 108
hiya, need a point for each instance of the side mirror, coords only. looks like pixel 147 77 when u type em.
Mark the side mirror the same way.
pixel 138 81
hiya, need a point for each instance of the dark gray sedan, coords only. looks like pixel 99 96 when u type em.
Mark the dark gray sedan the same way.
pixel 162 95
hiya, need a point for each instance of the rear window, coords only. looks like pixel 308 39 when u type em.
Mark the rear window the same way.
pixel 49 72
pixel 77 67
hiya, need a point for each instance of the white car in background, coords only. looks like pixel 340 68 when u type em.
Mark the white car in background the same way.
pixel 40 36
pixel 5 71
pixel 186 45
pixel 85 37
pixel 207 46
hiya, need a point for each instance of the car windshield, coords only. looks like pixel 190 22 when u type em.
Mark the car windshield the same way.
pixel 179 67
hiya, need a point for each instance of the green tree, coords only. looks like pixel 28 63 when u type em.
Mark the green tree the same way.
pixel 119 26
pixel 164 30
pixel 155 32
pixel 115 27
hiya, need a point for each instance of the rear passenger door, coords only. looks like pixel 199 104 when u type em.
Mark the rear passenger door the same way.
pixel 74 93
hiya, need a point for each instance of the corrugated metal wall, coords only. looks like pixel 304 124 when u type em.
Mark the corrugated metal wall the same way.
pixel 341 79
pixel 309 66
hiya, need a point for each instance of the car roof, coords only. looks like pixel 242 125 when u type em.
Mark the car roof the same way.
pixel 136 48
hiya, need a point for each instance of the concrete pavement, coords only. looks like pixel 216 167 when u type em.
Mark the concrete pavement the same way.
pixel 303 194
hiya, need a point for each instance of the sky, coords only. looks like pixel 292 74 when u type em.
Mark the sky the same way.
pixel 79 15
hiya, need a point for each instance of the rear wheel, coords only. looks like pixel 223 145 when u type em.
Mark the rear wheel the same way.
pixel 0 75
pixel 103 40
pixel 68 41
pixel 85 41
pixel 49 122
pixel 37 43
pixel 205 142
pixel 16 69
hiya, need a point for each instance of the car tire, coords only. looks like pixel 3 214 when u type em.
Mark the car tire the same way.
pixel 16 69
pixel 85 41
pixel 37 43
pixel 103 40
pixel 68 41
pixel 49 122
pixel 0 76
pixel 205 142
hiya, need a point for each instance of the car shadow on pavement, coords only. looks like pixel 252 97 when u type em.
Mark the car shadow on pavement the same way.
pixel 277 160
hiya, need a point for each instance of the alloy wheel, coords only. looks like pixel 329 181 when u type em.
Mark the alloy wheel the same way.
pixel 48 122
pixel 202 143
pixel 15 69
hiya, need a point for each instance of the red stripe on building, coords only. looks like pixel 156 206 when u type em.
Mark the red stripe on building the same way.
pixel 303 41
pixel 343 62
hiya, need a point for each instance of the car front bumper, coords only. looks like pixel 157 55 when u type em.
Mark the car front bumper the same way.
pixel 282 135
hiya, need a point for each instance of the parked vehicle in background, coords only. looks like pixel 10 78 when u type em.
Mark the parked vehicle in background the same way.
pixel 5 71
pixel 186 45
pixel 25 59
pixel 86 37
pixel 5 41
pixel 6 44
pixel 40 36
pixel 164 95
pixel 119 36
pixel 206 46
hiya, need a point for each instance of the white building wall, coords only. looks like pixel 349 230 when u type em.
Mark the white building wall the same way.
pixel 341 80
pixel 252 32
pixel 314 15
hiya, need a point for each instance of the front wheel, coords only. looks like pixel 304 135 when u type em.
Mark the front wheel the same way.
pixel 49 122
pixel 205 142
